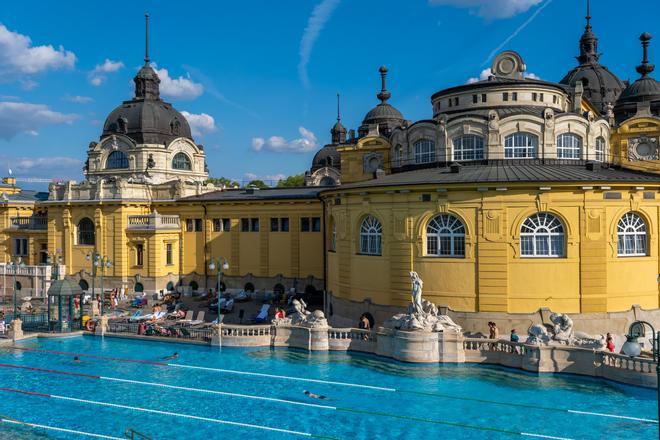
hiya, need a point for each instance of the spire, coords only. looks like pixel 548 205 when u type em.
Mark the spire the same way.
pixel 147 83
pixel 588 42
pixel 384 95
pixel 146 38
pixel 645 68
pixel 338 132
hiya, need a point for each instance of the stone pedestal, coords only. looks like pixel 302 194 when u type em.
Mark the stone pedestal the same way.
pixel 15 330
pixel 318 339
pixel 420 346
pixel 216 339
pixel 101 326
pixel 450 346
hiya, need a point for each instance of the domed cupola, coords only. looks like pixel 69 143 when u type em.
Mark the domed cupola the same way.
pixel 146 118
pixel 384 116
pixel 645 92
pixel 338 131
pixel 601 86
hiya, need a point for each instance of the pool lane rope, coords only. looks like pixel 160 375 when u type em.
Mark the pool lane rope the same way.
pixel 347 384
pixel 166 413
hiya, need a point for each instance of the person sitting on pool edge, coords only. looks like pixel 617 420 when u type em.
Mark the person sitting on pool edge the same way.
pixel 314 396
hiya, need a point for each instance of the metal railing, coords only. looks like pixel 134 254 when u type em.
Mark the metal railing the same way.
pixel 30 322
pixel 167 329
pixel 35 223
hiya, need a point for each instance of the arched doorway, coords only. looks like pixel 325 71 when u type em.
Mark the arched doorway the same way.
pixel 84 285
pixel 249 287
pixel 194 286
pixel 18 285
pixel 278 292
pixel 170 286
pixel 139 287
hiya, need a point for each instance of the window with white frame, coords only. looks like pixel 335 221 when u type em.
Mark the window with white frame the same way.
pixel 600 149
pixel 445 236
pixel 424 151
pixel 520 145
pixel 468 147
pixel 569 146
pixel 116 160
pixel 631 236
pixel 371 232
pixel 20 247
pixel 542 235
pixel 181 162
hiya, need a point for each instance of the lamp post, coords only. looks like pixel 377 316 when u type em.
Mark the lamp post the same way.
pixel 54 259
pixel 632 348
pixel 222 264
pixel 17 263
pixel 99 263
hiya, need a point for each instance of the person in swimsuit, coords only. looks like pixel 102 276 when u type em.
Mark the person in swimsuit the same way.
pixel 175 355
pixel 314 396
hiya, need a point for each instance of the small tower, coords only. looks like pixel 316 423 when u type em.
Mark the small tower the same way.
pixel 338 131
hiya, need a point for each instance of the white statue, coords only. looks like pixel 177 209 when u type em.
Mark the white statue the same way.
pixel 562 327
pixel 302 316
pixel 537 335
pixel 421 314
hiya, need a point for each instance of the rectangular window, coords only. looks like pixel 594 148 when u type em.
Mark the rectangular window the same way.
pixel 20 247
pixel 304 224
pixel 274 224
pixel 198 225
pixel 456 101
pixel 284 224
pixel 245 225
pixel 484 97
pixel 139 254
pixel 193 225
pixel 534 96
pixel 217 225
pixel 254 224
pixel 168 254
pixel 541 97
pixel 449 102
pixel 554 99
pixel 505 96
pixel 226 224
pixel 475 99
pixel 514 96
pixel 316 224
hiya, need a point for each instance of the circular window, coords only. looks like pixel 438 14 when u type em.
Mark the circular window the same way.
pixel 644 149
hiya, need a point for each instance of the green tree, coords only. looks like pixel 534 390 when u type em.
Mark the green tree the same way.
pixel 257 184
pixel 295 180
pixel 219 181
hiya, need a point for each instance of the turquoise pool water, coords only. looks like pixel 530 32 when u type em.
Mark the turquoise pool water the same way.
pixel 368 398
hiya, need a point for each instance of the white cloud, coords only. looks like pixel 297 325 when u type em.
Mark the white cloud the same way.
pixel 57 168
pixel 19 57
pixel 491 9
pixel 77 99
pixel 306 143
pixel 98 75
pixel 200 124
pixel 23 117
pixel 178 88
pixel 270 179
pixel 487 72
pixel 320 15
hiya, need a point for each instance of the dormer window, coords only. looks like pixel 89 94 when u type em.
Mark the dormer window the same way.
pixel 116 160
pixel 181 162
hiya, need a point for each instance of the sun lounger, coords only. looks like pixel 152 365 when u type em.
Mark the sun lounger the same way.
pixel 188 318
pixel 263 314
pixel 200 318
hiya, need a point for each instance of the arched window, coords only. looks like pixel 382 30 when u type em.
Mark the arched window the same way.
pixel 138 287
pixel 542 235
pixel 424 151
pixel 569 146
pixel 468 147
pixel 520 146
pixel 398 153
pixel 249 287
pixel 370 236
pixel 116 160
pixel 170 286
pixel 445 236
pixel 194 286
pixel 86 232
pixel 181 162
pixel 631 234
pixel 327 181
pixel 600 149
pixel 84 285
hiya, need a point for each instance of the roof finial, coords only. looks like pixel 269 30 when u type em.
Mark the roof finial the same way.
pixel 146 38
pixel 645 68
pixel 384 95
pixel 338 112
pixel 588 16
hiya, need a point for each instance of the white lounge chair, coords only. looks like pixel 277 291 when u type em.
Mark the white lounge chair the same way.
pixel 200 318
pixel 263 314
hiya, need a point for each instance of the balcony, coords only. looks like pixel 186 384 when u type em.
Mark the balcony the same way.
pixel 153 222
pixel 34 223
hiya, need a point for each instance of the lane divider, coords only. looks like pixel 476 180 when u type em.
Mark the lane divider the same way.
pixel 57 429
pixel 328 407
pixel 166 413
pixel 320 381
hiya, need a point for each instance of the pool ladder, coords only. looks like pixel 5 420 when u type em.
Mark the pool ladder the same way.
pixel 132 434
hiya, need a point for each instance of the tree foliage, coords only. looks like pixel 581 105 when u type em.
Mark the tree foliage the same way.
pixel 295 180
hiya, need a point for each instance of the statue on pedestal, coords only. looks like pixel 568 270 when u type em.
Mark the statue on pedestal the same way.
pixel 422 315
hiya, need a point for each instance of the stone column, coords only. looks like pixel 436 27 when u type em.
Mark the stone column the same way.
pixel 450 346
pixel 15 330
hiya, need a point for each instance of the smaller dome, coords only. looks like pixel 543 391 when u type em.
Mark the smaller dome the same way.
pixel 643 89
pixel 383 115
pixel 327 156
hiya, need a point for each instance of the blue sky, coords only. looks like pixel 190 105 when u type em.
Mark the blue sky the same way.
pixel 259 78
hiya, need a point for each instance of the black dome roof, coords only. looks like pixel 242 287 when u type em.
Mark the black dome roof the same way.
pixel 146 118
pixel 383 115
pixel 327 156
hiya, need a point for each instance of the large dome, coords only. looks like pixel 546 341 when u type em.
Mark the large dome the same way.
pixel 146 118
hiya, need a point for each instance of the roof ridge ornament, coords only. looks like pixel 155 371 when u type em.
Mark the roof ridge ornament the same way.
pixel 146 38
pixel 645 68
pixel 508 64
pixel 588 42
pixel 338 112
pixel 384 94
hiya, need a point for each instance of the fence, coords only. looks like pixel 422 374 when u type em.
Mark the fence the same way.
pixel 170 329
pixel 37 322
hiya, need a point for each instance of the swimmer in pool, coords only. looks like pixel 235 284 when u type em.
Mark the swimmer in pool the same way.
pixel 175 355
pixel 314 396
pixel 76 359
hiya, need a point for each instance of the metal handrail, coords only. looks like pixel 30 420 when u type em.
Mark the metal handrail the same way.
pixel 131 433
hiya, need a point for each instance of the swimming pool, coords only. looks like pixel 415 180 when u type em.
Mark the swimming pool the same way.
pixel 209 393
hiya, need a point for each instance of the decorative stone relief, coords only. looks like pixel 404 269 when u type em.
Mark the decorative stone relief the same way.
pixel 642 148
pixel 372 162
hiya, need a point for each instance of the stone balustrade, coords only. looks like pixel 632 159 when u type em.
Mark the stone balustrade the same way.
pixel 153 221
pixel 33 223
